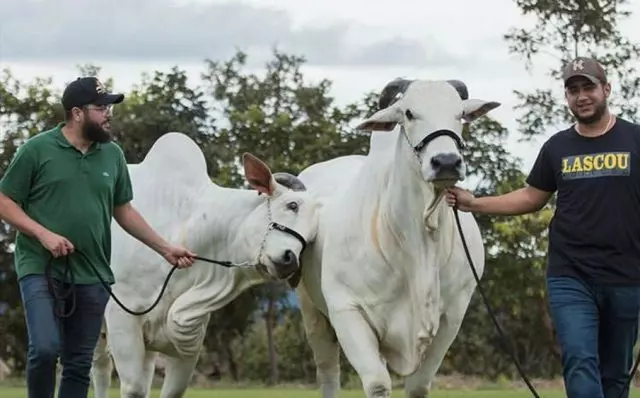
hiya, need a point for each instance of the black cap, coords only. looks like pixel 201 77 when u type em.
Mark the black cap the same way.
pixel 86 91
pixel 585 67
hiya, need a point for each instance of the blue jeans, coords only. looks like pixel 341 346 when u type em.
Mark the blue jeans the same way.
pixel 597 327
pixel 73 338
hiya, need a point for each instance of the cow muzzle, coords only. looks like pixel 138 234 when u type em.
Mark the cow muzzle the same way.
pixel 447 167
pixel 286 265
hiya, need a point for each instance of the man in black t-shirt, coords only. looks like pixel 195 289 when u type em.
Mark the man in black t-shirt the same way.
pixel 593 273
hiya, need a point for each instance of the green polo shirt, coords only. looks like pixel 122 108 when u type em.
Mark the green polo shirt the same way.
pixel 72 194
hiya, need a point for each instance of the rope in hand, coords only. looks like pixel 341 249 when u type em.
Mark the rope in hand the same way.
pixel 489 310
pixel 623 392
pixel 70 292
pixel 68 274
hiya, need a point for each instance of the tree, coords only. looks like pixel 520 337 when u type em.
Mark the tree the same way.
pixel 283 119
pixel 162 103
pixel 565 30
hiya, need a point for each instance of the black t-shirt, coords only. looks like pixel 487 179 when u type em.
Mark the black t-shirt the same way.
pixel 595 231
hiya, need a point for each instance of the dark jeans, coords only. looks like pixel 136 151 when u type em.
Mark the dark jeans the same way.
pixel 597 327
pixel 73 338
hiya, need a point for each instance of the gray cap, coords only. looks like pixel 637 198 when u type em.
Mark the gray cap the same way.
pixel 586 67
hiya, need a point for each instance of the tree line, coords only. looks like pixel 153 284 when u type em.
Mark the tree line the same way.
pixel 292 123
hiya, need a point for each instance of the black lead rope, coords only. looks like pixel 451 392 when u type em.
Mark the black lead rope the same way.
pixel 489 310
pixel 497 325
pixel 70 291
pixel 460 144
pixel 59 299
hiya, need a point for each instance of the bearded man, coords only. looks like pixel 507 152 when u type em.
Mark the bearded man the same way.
pixel 593 263
pixel 60 192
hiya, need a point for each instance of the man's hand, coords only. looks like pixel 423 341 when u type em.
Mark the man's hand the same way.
pixel 461 198
pixel 178 256
pixel 56 244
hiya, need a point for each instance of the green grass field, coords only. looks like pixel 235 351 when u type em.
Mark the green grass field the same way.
pixel 295 393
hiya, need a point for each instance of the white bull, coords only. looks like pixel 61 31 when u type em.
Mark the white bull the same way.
pixel 173 192
pixel 387 278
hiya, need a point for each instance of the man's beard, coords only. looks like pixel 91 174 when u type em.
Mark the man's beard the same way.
pixel 597 114
pixel 92 131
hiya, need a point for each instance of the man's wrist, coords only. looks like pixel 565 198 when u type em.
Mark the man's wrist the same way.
pixel 475 206
pixel 38 231
pixel 163 247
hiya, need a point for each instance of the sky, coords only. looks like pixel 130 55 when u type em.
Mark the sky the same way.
pixel 359 45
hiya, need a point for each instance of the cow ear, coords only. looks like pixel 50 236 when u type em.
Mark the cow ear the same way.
pixel 258 174
pixel 474 108
pixel 383 120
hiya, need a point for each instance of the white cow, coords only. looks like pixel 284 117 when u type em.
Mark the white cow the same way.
pixel 387 278
pixel 173 192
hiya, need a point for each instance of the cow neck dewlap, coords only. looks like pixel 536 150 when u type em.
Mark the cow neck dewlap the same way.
pixel 401 197
pixel 407 170
pixel 400 238
pixel 211 286
pixel 433 210
pixel 418 199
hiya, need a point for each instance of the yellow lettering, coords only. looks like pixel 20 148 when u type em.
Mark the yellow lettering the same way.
pixel 598 161
pixel 587 163
pixel 565 166
pixel 577 165
pixel 610 161
pixel 623 161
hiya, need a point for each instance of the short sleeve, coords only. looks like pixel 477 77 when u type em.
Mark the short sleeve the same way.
pixel 18 178
pixel 123 192
pixel 542 175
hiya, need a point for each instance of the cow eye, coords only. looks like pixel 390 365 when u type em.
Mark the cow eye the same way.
pixel 293 206
pixel 409 114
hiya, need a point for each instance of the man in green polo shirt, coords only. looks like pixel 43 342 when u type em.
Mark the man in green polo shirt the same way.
pixel 61 191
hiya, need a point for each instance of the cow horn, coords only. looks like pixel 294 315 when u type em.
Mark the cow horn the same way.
pixel 389 93
pixel 460 87
pixel 290 181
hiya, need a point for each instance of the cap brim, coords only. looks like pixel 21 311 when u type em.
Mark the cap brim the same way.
pixel 593 79
pixel 109 99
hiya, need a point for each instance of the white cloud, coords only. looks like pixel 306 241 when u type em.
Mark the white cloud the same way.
pixel 162 30
pixel 358 44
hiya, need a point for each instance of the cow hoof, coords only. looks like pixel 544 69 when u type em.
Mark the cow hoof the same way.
pixel 135 395
pixel 420 392
pixel 133 392
pixel 412 390
pixel 379 392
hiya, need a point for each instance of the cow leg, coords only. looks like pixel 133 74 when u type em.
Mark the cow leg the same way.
pixel 136 376
pixel 418 384
pixel 134 364
pixel 102 367
pixel 360 346
pixel 324 345
pixel 177 375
